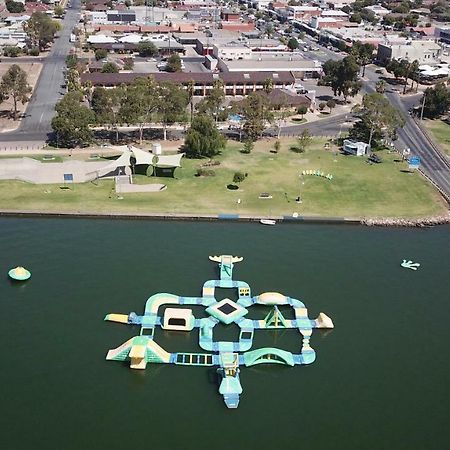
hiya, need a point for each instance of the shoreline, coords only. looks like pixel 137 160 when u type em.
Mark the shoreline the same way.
pixel 424 222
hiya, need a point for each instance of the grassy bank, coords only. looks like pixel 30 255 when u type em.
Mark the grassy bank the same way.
pixel 357 189
pixel 440 132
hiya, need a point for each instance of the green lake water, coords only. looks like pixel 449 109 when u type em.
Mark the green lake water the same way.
pixel 381 379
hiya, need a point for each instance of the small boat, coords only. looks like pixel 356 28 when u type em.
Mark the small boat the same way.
pixel 268 221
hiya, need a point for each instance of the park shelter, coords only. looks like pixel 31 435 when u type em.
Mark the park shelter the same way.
pixel 163 165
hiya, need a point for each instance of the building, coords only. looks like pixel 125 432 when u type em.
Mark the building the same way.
pixel 355 148
pixel 307 68
pixel 234 83
pixel 232 51
pixel 426 52
pixel 443 34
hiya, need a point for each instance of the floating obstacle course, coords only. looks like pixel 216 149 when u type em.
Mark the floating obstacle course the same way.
pixel 228 356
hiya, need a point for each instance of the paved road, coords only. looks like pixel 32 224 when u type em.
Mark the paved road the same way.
pixel 41 109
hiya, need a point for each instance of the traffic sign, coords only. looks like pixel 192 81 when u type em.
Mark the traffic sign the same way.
pixel 414 162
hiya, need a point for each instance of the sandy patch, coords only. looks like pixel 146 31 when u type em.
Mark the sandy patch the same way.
pixel 33 70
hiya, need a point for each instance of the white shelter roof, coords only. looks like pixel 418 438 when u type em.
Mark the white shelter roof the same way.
pixel 169 160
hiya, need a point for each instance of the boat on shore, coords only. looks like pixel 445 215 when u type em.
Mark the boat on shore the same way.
pixel 268 221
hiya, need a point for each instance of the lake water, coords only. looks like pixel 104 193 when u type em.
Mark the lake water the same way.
pixel 380 381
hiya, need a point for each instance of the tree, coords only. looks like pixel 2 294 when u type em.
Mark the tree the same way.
pixel 172 101
pixel 356 18
pixel 292 44
pixel 58 11
pixel 73 80
pixel 269 30
pixel 41 29
pixel 342 76
pixel 322 106
pixel 363 54
pixel 257 110
pixel 14 7
pixel 191 91
pixel 378 116
pixel 212 103
pixel 72 121
pixel 268 85
pixel 110 67
pixel 302 110
pixel 436 101
pixel 174 63
pixel 303 141
pixel 146 49
pixel 248 146
pixel 100 53
pixel 139 102
pixel 71 61
pixel 14 84
pixel 106 106
pixel 380 86
pixel 203 139
pixel 331 104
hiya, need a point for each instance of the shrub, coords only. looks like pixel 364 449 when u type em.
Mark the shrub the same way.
pixel 238 177
pixel 11 51
pixel 205 172
pixel 34 51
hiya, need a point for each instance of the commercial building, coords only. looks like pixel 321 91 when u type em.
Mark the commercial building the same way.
pixel 425 52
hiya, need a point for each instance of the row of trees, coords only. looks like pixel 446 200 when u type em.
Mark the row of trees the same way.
pixel 406 70
pixel 139 103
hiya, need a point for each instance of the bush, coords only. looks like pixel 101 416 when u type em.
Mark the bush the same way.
pixel 248 146
pixel 128 64
pixel 239 177
pixel 11 51
pixel 205 172
pixel 101 53
pixel 34 51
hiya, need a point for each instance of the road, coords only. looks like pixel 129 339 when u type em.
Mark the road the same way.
pixel 36 125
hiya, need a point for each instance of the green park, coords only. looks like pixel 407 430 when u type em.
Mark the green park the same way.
pixel 357 188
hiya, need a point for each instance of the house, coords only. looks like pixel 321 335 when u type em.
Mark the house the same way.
pixel 355 148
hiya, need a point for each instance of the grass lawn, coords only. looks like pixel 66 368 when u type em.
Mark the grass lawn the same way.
pixel 358 189
pixel 440 132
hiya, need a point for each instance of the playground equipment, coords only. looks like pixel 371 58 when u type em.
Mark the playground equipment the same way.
pixel 228 356
pixel 19 273
pixel 317 173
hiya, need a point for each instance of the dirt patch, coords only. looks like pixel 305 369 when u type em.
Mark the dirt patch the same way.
pixel 6 122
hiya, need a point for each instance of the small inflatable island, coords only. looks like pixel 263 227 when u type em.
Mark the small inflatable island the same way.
pixel 227 356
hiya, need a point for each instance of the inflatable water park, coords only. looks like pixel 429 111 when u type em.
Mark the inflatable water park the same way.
pixel 227 356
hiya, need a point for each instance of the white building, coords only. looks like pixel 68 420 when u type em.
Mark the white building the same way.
pixel 232 51
pixel 426 52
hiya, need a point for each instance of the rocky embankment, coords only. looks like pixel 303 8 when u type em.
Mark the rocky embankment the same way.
pixel 396 222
